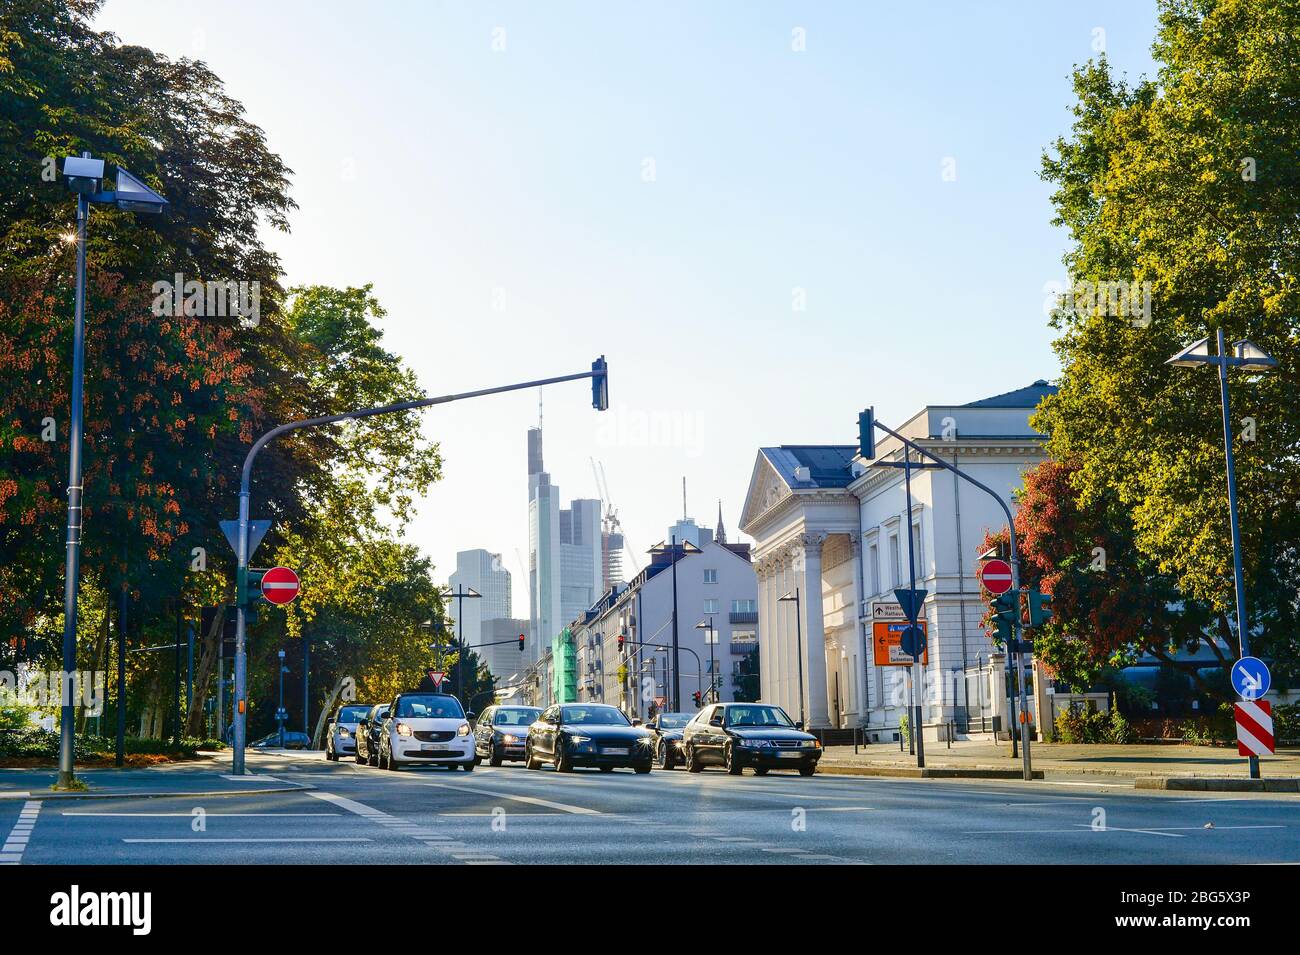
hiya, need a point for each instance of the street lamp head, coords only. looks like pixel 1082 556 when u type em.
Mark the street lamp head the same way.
pixel 1250 357
pixel 791 596
pixel 134 196
pixel 83 174
pixel 1197 353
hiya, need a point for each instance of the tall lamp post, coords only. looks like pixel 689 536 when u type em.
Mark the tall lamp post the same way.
pixel 280 712
pixel 676 550
pixel 798 630
pixel 1248 357
pixel 710 638
pixel 84 176
pixel 461 594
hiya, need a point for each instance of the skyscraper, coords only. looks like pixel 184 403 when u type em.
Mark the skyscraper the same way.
pixel 482 571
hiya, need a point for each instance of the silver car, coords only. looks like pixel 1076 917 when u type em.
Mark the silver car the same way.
pixel 342 738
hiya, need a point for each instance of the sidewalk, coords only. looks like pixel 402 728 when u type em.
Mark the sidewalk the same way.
pixel 206 777
pixel 1056 759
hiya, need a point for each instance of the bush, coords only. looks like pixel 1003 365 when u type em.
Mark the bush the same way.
pixel 1082 725
pixel 1286 723
pixel 14 713
pixel 1118 729
pixel 39 744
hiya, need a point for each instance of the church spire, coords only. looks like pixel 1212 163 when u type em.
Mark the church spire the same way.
pixel 721 535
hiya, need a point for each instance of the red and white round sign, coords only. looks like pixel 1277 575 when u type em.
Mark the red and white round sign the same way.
pixel 279 585
pixel 995 575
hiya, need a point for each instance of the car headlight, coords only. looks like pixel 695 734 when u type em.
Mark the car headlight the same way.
pixel 646 741
pixel 509 738
pixel 462 730
pixel 754 743
pixel 811 744
pixel 580 739
pixel 343 731
pixel 403 729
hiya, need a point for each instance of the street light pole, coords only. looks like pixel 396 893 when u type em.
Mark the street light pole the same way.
pixel 279 710
pixel 707 624
pixel 599 375
pixel 798 632
pixel 677 682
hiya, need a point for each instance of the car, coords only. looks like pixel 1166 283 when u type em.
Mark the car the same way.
pixel 428 728
pixel 292 740
pixel 367 735
pixel 588 734
pixel 342 738
pixel 667 731
pixel 736 735
pixel 501 732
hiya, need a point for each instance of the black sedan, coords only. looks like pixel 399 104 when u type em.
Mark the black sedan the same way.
pixel 667 731
pixel 369 730
pixel 587 734
pixel 736 735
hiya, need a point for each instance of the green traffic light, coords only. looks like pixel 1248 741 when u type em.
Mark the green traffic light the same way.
pixel 1040 607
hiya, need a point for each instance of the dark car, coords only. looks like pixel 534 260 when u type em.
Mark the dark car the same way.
pixel 369 731
pixel 736 735
pixel 587 734
pixel 292 740
pixel 501 732
pixel 667 731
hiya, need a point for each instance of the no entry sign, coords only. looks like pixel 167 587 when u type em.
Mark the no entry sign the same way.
pixel 1254 728
pixel 995 575
pixel 279 585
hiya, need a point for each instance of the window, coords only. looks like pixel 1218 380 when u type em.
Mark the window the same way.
pixel 744 606
pixel 873 568
pixel 895 565
pixel 916 548
pixel 710 575
pixel 745 638
pixel 711 605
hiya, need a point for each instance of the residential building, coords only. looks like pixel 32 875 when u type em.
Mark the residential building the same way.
pixel 834 530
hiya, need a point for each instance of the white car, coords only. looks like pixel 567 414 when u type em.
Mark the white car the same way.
pixel 428 728
pixel 342 738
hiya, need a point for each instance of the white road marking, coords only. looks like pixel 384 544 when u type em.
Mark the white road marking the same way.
pixel 250 839
pixel 531 800
pixel 11 853
pixel 208 813
pixel 406 828
pixel 253 777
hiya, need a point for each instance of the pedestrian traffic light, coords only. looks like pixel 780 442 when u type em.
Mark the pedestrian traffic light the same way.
pixel 600 384
pixel 1040 607
pixel 620 643
pixel 867 433
pixel 1005 608
pixel 696 697
pixel 521 643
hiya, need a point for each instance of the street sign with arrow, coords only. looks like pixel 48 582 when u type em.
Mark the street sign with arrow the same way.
pixel 1250 678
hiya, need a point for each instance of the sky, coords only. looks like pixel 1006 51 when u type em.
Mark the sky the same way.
pixel 766 216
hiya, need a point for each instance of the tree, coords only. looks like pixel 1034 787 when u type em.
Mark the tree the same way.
pixel 1188 182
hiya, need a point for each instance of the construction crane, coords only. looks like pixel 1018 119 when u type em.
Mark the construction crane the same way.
pixel 611 527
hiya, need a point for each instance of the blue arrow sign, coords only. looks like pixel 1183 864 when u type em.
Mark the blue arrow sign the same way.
pixel 1250 678
pixel 910 601
pixel 912 642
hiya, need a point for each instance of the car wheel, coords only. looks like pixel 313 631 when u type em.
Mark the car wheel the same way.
pixel 360 760
pixel 607 769
pixel 469 767
pixel 692 760
pixel 563 761
pixel 731 760
pixel 808 770
pixel 529 762
pixel 494 757
pixel 642 768
pixel 393 765
pixel 665 757
pixel 760 770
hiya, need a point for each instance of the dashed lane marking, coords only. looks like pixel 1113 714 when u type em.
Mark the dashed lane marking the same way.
pixel 433 840
pixel 531 800
pixel 16 844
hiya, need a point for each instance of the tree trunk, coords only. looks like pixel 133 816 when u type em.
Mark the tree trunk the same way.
pixel 203 670
pixel 326 711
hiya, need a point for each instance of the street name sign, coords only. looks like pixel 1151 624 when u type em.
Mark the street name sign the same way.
pixel 995 575
pixel 887 643
pixel 1250 678
pixel 1254 728
pixel 279 585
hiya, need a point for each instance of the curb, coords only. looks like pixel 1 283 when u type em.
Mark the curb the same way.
pixel 46 795
pixel 912 772
pixel 1221 785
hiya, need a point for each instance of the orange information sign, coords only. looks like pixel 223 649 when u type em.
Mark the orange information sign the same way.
pixel 886 643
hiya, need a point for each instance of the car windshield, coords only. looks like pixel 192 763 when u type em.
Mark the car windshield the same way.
pixel 672 721
pixel 432 706
pixel 515 716
pixel 353 714
pixel 757 716
pixel 594 716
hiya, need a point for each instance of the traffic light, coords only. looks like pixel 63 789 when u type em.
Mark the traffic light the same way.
pixel 521 643
pixel 600 384
pixel 696 697
pixel 1005 608
pixel 1040 607
pixel 867 433
pixel 620 643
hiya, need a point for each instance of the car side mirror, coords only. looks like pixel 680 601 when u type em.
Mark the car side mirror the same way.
pixel 471 715
pixel 383 716
pixel 716 721
pixel 330 721
pixel 798 724
pixel 636 722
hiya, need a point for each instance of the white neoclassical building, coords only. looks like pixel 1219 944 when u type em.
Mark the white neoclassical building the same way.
pixel 831 530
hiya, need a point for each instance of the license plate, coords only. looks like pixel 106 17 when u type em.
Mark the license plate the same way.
pixel 615 750
pixel 434 747
pixel 789 755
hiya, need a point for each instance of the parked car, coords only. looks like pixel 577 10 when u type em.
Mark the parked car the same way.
pixel 292 740
pixel 501 732
pixel 426 728
pixel 588 734
pixel 342 737
pixel 368 732
pixel 736 735
pixel 667 731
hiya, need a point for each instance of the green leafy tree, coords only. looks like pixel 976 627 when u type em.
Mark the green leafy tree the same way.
pixel 1188 181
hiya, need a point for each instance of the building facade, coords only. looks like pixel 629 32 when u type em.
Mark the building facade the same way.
pixel 833 536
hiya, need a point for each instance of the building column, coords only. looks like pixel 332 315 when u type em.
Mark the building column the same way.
pixel 766 628
pixel 817 692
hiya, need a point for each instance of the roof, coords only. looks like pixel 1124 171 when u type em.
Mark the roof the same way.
pixel 1028 397
pixel 829 465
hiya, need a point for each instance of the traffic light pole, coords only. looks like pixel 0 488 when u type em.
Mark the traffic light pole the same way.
pixel 1018 631
pixel 599 375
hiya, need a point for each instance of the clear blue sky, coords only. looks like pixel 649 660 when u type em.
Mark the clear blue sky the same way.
pixel 497 201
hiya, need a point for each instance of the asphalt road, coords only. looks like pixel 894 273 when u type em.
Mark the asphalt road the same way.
pixel 426 815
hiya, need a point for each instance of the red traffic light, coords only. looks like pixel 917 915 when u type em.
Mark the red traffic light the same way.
pixel 620 643
pixel 521 643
